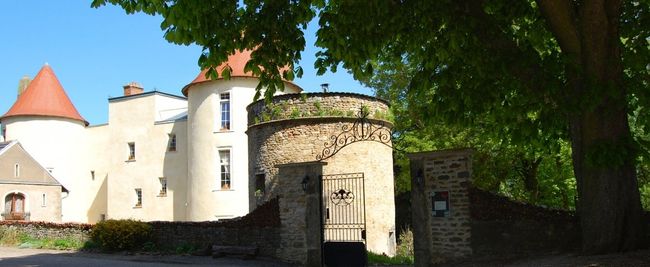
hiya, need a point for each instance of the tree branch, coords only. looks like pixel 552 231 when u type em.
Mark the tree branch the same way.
pixel 561 18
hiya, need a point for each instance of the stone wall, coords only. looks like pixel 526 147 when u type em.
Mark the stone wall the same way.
pixel 304 139
pixel 315 105
pixel 501 226
pixel 202 235
pixel 439 233
pixel 42 230
pixel 260 228
pixel 300 213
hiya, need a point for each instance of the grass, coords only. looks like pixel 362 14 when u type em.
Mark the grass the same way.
pixel 14 237
pixel 404 255
pixel 386 260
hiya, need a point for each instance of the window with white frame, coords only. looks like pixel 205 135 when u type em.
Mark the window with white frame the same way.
pixel 224 169
pixel 138 195
pixel 224 104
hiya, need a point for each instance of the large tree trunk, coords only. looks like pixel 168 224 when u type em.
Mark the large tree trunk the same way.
pixel 609 206
pixel 603 153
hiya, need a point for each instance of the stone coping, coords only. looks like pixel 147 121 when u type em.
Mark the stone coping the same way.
pixel 441 153
pixel 310 94
pixel 387 124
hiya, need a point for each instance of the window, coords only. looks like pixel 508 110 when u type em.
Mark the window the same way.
pixel 43 200
pixel 224 163
pixel 131 151
pixel 138 194
pixel 225 111
pixel 102 217
pixel 3 132
pixel 163 187
pixel 171 144
pixel 92 175
pixel 16 170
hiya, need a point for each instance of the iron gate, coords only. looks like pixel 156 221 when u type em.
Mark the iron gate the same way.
pixel 343 219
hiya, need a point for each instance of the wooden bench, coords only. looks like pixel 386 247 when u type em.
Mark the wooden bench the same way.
pixel 243 251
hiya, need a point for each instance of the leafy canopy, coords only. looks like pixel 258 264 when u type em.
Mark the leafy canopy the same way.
pixel 474 60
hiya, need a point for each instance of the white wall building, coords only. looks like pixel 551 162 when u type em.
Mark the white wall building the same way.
pixel 159 157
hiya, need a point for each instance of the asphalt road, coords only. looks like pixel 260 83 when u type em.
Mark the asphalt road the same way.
pixel 10 256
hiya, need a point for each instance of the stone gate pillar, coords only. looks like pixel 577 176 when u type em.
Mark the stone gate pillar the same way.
pixel 300 212
pixel 440 205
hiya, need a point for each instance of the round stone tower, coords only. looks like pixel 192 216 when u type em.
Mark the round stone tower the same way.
pixel 349 132
pixel 217 142
pixel 49 127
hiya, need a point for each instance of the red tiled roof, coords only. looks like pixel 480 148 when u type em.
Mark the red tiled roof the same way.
pixel 237 62
pixel 44 96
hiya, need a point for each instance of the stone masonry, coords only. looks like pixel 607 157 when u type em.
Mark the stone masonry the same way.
pixel 289 139
pixel 300 238
pixel 441 234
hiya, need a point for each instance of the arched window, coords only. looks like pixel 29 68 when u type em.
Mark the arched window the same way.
pixel 15 206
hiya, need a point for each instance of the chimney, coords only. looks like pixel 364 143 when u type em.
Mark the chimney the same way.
pixel 23 83
pixel 133 88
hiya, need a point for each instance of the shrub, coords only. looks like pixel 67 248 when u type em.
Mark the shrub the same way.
pixel 405 244
pixel 121 234
pixel 9 237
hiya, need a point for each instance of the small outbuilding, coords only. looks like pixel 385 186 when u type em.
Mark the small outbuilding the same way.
pixel 29 191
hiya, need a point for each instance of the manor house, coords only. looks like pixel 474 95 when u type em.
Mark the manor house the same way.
pixel 159 157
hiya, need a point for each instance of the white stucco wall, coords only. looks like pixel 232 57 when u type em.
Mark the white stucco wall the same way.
pixel 206 199
pixel 134 120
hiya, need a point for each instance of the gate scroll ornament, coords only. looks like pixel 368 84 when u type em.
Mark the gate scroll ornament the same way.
pixel 361 130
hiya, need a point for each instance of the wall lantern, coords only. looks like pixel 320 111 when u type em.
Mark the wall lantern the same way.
pixel 304 183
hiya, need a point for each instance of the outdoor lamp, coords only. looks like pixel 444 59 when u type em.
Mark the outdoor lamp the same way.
pixel 304 183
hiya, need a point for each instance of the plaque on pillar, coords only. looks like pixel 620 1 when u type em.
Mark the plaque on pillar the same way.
pixel 440 203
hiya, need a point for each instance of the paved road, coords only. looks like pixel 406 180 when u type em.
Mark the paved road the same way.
pixel 40 257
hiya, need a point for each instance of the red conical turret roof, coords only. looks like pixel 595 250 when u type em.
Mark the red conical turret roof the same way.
pixel 237 62
pixel 44 96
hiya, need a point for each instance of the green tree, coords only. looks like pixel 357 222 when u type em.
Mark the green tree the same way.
pixel 536 171
pixel 532 66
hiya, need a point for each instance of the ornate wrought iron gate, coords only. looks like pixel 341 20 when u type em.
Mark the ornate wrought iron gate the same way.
pixel 343 219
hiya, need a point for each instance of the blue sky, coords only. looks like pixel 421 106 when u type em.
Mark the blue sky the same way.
pixel 94 52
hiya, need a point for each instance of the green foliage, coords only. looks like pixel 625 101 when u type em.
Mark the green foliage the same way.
pixel 276 111
pixel 405 247
pixel 9 236
pixel 295 113
pixel 17 237
pixel 185 249
pixel 380 259
pixel 121 234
